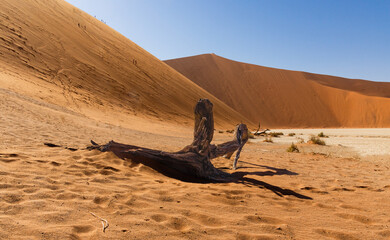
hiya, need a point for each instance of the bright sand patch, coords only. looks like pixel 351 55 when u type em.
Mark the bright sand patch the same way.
pixel 363 141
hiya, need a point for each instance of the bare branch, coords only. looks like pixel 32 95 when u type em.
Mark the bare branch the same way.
pixel 104 221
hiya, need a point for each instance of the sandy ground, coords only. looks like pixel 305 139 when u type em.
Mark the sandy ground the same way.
pixel 360 142
pixel 48 193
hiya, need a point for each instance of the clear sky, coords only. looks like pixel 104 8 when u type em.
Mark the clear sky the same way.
pixel 348 38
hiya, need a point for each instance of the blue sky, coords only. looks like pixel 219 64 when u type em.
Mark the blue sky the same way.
pixel 348 38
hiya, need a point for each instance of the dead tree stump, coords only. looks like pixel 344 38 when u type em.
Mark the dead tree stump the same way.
pixel 258 132
pixel 193 161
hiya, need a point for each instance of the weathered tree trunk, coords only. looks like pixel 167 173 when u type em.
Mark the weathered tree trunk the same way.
pixel 257 133
pixel 193 161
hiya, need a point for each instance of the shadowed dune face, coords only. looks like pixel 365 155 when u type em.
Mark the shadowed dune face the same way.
pixel 282 98
pixel 53 51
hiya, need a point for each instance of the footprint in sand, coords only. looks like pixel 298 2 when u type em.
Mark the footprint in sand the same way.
pixel 159 218
pixel 11 198
pixel 365 187
pixel 203 219
pixel 321 205
pixel 89 172
pixel 100 200
pixel 346 206
pixel 80 229
pixel 246 236
pixel 9 157
pixel 178 223
pixel 3 173
pixel 336 234
pixel 384 233
pixel 314 190
pixel 5 186
pixel 233 192
pixel 108 170
pixel 262 219
pixel 355 217
pixel 230 200
pixel 135 201
pixel 75 166
pixel 7 160
pixel 79 157
pixel 41 161
pixel 56 164
pixel 67 196
pixel 342 189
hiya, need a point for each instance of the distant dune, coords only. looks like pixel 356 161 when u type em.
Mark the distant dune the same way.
pixel 56 53
pixel 283 98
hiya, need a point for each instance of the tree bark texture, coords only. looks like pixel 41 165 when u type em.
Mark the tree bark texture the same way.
pixel 192 163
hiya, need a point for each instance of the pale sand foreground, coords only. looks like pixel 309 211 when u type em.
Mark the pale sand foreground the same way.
pixel 48 193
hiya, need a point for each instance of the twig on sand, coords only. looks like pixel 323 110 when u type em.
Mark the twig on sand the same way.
pixel 104 221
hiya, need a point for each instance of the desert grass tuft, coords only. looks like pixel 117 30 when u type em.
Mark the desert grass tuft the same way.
pixel 321 134
pixel 293 148
pixel 275 134
pixel 316 140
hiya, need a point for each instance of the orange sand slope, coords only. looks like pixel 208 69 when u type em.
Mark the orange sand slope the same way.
pixel 283 98
pixel 52 51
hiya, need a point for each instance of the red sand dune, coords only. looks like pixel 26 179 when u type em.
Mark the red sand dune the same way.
pixel 283 98
pixel 54 52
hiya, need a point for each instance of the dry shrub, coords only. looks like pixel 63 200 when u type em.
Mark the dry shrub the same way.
pixel 293 148
pixel 316 140
pixel 321 134
pixel 275 134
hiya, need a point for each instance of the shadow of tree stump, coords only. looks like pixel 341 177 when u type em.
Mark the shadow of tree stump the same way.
pixel 192 163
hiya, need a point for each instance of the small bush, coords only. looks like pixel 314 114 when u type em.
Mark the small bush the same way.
pixel 291 134
pixel 316 140
pixel 268 139
pixel 321 134
pixel 300 140
pixel 275 134
pixel 293 148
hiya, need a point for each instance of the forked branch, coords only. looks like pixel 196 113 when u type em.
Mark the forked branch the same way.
pixel 193 161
